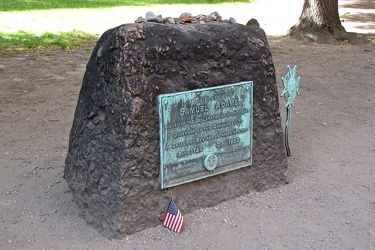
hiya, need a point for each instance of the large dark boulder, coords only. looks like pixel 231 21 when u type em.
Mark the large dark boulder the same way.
pixel 113 161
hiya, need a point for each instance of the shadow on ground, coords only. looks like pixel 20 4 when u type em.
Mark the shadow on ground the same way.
pixel 361 15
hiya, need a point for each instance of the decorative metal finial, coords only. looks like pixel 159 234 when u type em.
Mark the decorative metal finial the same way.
pixel 290 91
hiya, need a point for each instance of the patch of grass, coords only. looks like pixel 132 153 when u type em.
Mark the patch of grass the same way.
pixel 26 5
pixel 22 40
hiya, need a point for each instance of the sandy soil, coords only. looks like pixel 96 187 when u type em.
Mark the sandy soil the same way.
pixel 328 204
pixel 274 16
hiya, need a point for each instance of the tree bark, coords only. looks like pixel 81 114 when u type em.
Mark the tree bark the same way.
pixel 320 22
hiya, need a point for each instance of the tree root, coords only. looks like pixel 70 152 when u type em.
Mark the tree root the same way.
pixel 309 31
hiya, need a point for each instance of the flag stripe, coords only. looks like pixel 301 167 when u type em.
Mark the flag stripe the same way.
pixel 173 224
pixel 168 219
pixel 179 222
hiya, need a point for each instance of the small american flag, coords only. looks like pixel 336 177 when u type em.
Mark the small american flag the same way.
pixel 173 218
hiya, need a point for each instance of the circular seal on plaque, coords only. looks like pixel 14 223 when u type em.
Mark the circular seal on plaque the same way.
pixel 210 162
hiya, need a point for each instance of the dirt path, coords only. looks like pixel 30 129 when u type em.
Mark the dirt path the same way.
pixel 274 16
pixel 328 204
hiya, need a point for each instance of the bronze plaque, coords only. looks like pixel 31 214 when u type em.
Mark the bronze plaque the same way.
pixel 205 132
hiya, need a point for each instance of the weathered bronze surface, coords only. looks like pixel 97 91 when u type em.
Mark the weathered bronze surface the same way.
pixel 290 91
pixel 205 132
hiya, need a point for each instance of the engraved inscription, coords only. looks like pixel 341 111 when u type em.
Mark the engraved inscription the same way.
pixel 193 110
pixel 205 132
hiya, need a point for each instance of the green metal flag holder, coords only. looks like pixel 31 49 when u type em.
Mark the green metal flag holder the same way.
pixel 290 91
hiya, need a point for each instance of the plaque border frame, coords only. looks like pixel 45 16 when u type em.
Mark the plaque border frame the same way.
pixel 224 169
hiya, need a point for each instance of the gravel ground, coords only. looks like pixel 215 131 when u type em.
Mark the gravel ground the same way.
pixel 328 204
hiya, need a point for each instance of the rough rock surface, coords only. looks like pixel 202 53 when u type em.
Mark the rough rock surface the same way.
pixel 112 166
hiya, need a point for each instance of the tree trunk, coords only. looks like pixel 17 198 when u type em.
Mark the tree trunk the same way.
pixel 319 22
